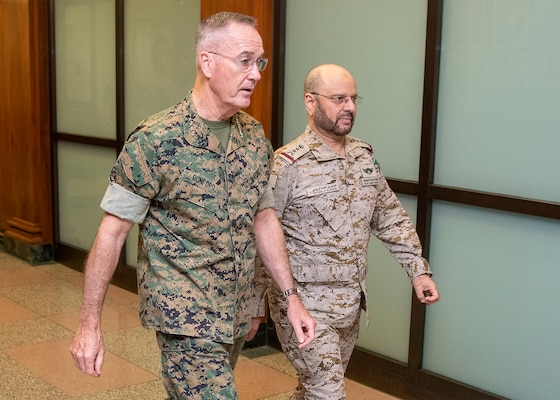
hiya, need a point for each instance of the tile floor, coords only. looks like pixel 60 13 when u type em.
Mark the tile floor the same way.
pixel 39 308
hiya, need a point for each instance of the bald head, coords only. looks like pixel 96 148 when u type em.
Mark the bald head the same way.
pixel 330 98
pixel 327 76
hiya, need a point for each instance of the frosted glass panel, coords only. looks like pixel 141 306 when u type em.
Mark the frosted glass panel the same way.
pixel 498 124
pixel 160 63
pixel 498 323
pixel 85 67
pixel 389 297
pixel 381 42
pixel 83 174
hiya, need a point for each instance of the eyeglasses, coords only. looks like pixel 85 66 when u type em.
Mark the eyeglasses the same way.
pixel 245 63
pixel 339 99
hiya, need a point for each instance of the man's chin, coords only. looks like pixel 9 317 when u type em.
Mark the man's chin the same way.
pixel 244 102
pixel 345 129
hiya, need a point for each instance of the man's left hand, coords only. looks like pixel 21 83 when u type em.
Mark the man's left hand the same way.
pixel 426 290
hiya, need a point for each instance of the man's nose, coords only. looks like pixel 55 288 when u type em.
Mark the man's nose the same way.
pixel 254 73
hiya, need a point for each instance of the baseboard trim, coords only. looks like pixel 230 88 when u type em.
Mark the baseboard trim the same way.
pixel 390 376
pixel 33 253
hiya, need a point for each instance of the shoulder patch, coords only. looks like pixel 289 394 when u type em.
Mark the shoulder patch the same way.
pixel 290 153
pixel 361 143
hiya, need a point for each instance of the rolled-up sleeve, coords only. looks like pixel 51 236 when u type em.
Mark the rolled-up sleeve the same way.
pixel 267 200
pixel 124 204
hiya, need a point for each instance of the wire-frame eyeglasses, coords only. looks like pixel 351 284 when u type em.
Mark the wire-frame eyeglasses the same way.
pixel 246 63
pixel 339 99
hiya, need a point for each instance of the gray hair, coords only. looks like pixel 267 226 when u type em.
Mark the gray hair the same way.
pixel 209 29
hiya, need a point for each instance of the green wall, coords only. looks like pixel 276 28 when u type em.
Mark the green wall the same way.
pixel 382 44
pixel 498 126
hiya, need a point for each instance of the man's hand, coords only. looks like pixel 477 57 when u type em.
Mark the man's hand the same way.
pixel 302 322
pixel 88 348
pixel 426 289
pixel 88 351
pixel 272 251
pixel 255 323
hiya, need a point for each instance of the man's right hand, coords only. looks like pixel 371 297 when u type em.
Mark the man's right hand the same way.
pixel 302 322
pixel 88 350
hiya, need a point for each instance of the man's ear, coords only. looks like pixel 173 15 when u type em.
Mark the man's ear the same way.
pixel 206 63
pixel 309 101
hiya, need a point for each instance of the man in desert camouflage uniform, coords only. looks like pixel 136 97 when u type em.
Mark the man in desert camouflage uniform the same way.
pixel 331 196
pixel 196 179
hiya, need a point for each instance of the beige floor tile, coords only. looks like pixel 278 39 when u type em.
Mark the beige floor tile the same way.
pixel 23 275
pixel 19 383
pixel 54 297
pixel 30 331
pixel 137 345
pixel 62 272
pixel 8 261
pixel 39 314
pixel 145 391
pixel 281 396
pixel 114 317
pixel 279 362
pixel 357 391
pixel 11 311
pixel 255 381
pixel 52 362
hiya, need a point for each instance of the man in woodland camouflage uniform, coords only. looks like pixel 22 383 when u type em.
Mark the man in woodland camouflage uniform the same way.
pixel 330 197
pixel 196 179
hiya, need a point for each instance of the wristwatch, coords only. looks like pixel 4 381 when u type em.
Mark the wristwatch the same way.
pixel 289 292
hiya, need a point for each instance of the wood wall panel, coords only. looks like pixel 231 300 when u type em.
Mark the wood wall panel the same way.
pixel 25 187
pixel 263 11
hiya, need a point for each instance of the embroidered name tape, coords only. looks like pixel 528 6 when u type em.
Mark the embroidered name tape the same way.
pixel 331 187
pixel 369 180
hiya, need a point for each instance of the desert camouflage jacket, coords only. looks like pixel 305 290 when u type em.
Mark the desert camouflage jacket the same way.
pixel 329 206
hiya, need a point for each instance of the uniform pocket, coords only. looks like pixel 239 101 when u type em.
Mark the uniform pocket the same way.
pixel 324 273
pixel 332 214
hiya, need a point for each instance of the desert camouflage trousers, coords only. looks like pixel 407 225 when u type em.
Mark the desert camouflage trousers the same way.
pixel 322 363
pixel 197 368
